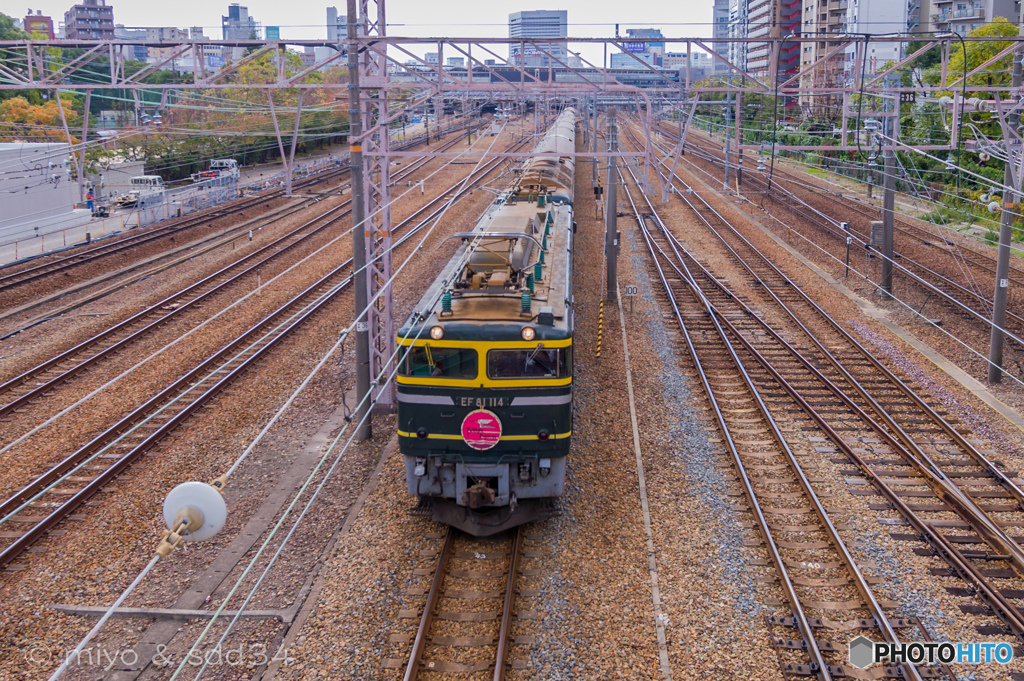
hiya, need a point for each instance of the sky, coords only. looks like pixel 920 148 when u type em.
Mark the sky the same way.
pixel 414 18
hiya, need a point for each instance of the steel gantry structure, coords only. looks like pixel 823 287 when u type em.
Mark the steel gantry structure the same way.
pixel 388 78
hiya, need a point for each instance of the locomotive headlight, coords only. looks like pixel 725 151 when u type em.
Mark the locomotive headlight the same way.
pixel 437 332
pixel 528 333
pixel 545 466
pixel 421 468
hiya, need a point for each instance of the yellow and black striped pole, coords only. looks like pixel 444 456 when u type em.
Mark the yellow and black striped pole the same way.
pixel 600 328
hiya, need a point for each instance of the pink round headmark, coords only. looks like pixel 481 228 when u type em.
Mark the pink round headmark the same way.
pixel 481 429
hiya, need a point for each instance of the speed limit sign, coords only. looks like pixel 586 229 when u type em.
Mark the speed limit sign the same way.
pixel 631 290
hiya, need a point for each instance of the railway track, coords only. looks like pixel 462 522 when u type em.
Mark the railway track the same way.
pixel 466 623
pixel 956 498
pixel 62 489
pixel 964 297
pixel 33 384
pixel 79 257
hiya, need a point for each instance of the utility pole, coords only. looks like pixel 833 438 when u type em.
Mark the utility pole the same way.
pixel 995 351
pixel 592 122
pixel 359 225
pixel 611 234
pixel 739 141
pixel 728 111
pixel 889 182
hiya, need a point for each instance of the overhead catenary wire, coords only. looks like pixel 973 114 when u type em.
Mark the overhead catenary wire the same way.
pixel 458 195
pixel 202 325
pixel 902 302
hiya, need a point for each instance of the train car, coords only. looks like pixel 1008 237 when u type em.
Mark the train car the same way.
pixel 485 376
pixel 148 183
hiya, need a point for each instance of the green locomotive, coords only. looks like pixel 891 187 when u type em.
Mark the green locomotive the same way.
pixel 485 385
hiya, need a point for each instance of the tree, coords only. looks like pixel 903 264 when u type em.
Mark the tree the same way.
pixel 8 31
pixel 25 122
pixel 977 53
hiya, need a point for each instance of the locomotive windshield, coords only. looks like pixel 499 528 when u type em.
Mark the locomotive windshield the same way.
pixel 536 363
pixel 440 362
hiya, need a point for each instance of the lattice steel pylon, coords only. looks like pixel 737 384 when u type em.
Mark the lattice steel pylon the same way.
pixel 373 75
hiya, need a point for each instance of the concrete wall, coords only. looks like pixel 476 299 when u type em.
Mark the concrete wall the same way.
pixel 34 182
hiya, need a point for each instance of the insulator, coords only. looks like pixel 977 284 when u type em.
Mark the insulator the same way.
pixel 446 302
pixel 526 302
pixel 538 269
pixel 529 282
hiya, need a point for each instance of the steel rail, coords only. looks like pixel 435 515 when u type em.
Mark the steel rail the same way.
pixel 420 642
pixel 719 320
pixel 960 502
pixel 14 279
pixel 505 629
pixel 138 416
pixel 81 257
pixel 276 248
pixel 803 623
pixel 855 203
pixel 909 393
pixel 905 263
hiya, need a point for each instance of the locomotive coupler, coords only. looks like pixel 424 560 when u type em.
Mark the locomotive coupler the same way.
pixel 478 495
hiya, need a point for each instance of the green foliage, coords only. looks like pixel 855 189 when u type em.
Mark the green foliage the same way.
pixel 977 53
pixel 8 30
pixel 932 57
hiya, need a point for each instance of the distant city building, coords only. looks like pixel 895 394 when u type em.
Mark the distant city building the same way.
pixel 430 58
pixel 720 29
pixel 238 25
pixel 38 23
pixel 91 20
pixel 737 53
pixel 963 16
pixel 633 60
pixel 673 60
pixel 644 44
pixel 914 15
pixel 210 57
pixel 538 24
pixel 156 34
pixel 337 25
pixel 874 16
pixel 455 62
pixel 137 52
pixel 645 40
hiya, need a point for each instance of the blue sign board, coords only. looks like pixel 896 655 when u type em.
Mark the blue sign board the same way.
pixel 273 32
pixel 636 47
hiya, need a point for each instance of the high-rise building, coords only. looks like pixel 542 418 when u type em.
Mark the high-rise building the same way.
pixel 652 39
pixel 963 16
pixel 38 23
pixel 720 29
pixel 645 45
pixel 238 25
pixel 337 25
pixel 874 16
pixel 90 20
pixel 538 24
pixel 136 52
